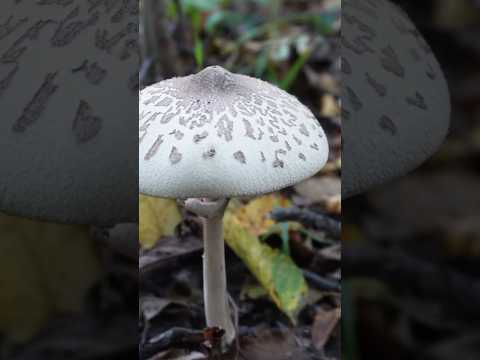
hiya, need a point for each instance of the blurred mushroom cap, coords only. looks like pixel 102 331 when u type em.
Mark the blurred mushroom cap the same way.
pixel 67 98
pixel 395 101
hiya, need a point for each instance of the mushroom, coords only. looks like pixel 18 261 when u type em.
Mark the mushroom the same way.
pixel 215 135
pixel 68 80
pixel 395 102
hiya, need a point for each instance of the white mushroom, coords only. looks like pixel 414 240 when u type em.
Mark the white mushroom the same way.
pixel 68 77
pixel 215 135
pixel 395 102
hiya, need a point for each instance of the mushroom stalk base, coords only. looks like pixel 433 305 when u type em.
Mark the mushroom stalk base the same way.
pixel 217 311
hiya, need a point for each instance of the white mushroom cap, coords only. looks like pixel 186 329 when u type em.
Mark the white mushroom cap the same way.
pixel 395 103
pixel 68 89
pixel 216 134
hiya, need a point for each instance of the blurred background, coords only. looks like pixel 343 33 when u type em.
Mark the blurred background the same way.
pixel 411 248
pixel 68 291
pixel 283 250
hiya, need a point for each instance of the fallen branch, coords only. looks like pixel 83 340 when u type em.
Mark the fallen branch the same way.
pixel 309 219
pixel 322 283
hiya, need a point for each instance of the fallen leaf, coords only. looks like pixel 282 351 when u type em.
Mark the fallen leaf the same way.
pixel 270 344
pixel 151 306
pixel 332 166
pixel 178 354
pixel 320 189
pixel 322 81
pixel 276 272
pixel 334 204
pixel 333 252
pixel 255 217
pixel 329 106
pixel 44 269
pixel 172 248
pixel 251 290
pixel 158 218
pixel 325 323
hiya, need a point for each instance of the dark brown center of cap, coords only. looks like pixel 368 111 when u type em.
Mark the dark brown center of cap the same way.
pixel 214 78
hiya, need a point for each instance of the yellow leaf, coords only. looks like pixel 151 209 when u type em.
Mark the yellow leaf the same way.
pixel 276 272
pixel 44 269
pixel 254 217
pixel 158 217
pixel 252 290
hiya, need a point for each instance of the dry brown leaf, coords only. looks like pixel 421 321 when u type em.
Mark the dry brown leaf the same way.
pixel 272 345
pixel 334 204
pixel 320 189
pixel 325 323
pixel 329 106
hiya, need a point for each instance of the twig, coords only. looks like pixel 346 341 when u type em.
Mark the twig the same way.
pixel 308 219
pixel 322 283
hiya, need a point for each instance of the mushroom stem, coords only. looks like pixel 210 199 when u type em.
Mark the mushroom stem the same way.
pixel 217 312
